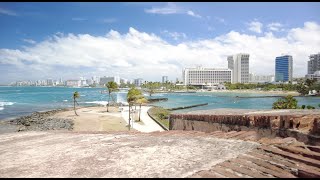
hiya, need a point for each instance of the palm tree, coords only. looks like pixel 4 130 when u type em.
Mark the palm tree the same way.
pixel 132 96
pixel 140 101
pixel 112 87
pixel 75 96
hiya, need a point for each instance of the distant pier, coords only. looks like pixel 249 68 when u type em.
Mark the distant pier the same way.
pixel 186 107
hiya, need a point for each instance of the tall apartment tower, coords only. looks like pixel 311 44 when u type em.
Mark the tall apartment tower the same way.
pixel 283 68
pixel 239 64
pixel 314 63
pixel 164 79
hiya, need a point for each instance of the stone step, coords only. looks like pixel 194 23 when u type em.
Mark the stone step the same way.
pixel 242 170
pixel 305 171
pixel 224 172
pixel 207 174
pixel 314 148
pixel 267 165
pixel 303 152
pixel 274 159
pixel 305 160
pixel 235 134
pixel 251 165
pixel 246 134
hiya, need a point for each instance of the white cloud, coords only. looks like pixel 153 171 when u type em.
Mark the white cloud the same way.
pixel 191 13
pixel 275 27
pixel 171 8
pixel 255 26
pixel 174 35
pixel 29 41
pixel 7 12
pixel 134 52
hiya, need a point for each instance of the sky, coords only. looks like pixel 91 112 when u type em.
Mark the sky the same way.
pixel 41 40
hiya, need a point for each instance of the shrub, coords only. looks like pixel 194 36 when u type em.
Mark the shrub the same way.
pixel 288 102
pixel 310 107
pixel 303 106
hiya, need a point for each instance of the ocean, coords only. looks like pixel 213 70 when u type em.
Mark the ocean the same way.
pixel 18 101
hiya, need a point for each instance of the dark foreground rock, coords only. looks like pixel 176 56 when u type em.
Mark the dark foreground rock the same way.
pixel 41 121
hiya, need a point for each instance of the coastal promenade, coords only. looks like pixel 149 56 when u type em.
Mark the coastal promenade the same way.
pixel 146 125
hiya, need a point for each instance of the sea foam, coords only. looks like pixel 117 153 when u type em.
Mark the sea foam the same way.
pixel 98 102
pixel 2 104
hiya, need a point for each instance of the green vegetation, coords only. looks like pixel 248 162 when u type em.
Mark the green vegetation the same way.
pixel 75 96
pixel 288 102
pixel 151 87
pixel 304 87
pixel 161 115
pixel 262 86
pixel 112 87
pixel 135 96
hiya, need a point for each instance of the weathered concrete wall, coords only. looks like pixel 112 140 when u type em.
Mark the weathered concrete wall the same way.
pixel 305 128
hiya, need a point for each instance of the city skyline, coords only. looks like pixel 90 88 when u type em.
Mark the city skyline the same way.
pixel 151 40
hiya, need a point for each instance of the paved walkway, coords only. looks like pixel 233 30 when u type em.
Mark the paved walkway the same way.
pixel 147 125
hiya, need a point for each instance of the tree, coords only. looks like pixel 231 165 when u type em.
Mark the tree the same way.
pixel 75 96
pixel 150 86
pixel 112 87
pixel 288 102
pixel 132 96
pixel 302 89
pixel 140 101
pixel 303 106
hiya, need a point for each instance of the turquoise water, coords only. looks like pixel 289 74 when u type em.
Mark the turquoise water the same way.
pixel 17 101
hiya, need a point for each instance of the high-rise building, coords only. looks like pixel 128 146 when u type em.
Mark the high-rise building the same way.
pixel 138 82
pixel 73 83
pixel 283 68
pixel 239 64
pixel 104 80
pixel 206 76
pixel 49 82
pixel 164 79
pixel 123 81
pixel 314 63
pixel 261 78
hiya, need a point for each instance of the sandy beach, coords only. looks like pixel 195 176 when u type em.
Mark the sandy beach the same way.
pixel 95 119
pixel 89 119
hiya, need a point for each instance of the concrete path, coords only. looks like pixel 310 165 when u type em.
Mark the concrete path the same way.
pixel 147 125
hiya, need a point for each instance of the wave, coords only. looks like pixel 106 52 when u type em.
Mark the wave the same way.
pixel 2 104
pixel 98 102
pixel 6 104
pixel 65 100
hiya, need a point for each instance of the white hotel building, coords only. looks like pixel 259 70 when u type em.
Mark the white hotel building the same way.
pixel 239 63
pixel 206 76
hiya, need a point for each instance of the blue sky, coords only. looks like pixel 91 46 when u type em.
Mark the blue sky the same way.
pixel 31 25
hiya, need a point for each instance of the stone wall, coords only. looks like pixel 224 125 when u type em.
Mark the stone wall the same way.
pixel 305 128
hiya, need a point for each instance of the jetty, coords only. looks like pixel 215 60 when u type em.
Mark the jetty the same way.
pixel 186 107
pixel 157 99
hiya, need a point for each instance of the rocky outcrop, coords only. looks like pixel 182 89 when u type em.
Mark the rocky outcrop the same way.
pixel 41 121
pixel 151 100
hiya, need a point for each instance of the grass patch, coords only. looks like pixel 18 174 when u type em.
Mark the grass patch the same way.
pixel 161 115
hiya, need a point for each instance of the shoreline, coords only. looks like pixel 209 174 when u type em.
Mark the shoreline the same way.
pixel 259 92
pixel 244 91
